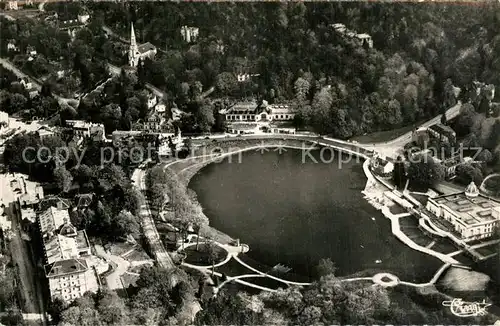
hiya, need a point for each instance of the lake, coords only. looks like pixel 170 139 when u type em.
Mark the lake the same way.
pixel 295 213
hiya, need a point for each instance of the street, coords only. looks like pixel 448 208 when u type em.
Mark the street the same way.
pixel 392 147
pixel 30 287
pixel 148 224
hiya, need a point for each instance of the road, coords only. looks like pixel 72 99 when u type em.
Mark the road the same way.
pixel 396 144
pixel 9 66
pixel 148 224
pixel 22 256
pixel 113 280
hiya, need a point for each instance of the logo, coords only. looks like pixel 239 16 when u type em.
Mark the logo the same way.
pixel 462 308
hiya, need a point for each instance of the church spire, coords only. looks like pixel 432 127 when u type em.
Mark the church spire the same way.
pixel 133 43
pixel 133 50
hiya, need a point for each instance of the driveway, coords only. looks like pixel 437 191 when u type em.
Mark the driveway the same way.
pixel 113 280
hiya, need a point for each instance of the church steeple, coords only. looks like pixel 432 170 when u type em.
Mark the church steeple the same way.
pixel 133 57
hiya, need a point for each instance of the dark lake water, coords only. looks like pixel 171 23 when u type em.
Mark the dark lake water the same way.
pixel 296 213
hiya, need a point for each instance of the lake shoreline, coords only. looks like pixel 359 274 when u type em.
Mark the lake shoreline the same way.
pixel 196 166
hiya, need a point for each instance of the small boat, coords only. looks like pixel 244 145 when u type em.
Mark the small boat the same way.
pixel 362 246
pixel 373 218
pixel 378 261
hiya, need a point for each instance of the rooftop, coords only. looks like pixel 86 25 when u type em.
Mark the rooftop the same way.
pixel 442 129
pixel 470 210
pixel 243 107
pixel 280 108
pixel 146 47
pixel 364 36
pixel 54 201
pixel 82 241
pixel 67 266
pixel 52 219
pixel 83 200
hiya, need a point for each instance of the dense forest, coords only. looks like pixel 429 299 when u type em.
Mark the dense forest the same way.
pixel 420 52
pixel 422 55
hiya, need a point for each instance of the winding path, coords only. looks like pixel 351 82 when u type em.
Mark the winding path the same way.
pixel 233 252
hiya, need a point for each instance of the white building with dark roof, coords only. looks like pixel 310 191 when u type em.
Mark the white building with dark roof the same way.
pixel 82 128
pixel 69 279
pixel 472 215
pixel 250 117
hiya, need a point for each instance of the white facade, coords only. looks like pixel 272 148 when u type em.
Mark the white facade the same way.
pixel 83 18
pixel 70 285
pixel 152 100
pixel 362 39
pixel 86 129
pixel 250 112
pixel 12 47
pixel 160 108
pixel 12 5
pixel 190 34
pixel 4 119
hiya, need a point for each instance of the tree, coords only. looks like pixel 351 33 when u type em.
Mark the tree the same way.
pixel 466 173
pixel 82 174
pixel 205 116
pixel 63 179
pixel 111 308
pixel 326 267
pixel 211 250
pixel 399 174
pixel 485 156
pixel 111 176
pixel 424 171
pixel 17 102
pixel 301 87
pixel 465 120
pixel 449 94
pixel 111 116
pixel 226 83
pixel 124 224
pixel 217 313
pixel 494 136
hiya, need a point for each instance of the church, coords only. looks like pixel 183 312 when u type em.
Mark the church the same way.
pixel 139 52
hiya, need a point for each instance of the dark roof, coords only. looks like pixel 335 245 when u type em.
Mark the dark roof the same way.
pixel 243 107
pixel 54 201
pixel 146 47
pixel 83 200
pixel 67 229
pixel 442 129
pixel 64 267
